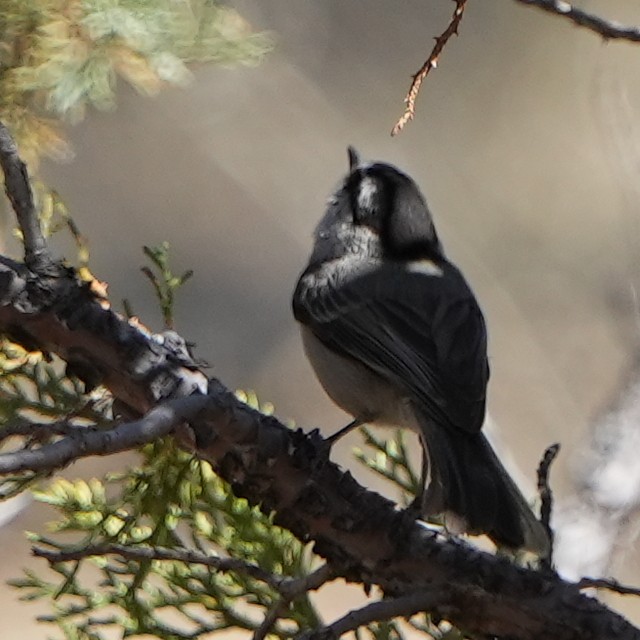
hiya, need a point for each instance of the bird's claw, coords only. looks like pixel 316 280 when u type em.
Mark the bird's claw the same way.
pixel 414 508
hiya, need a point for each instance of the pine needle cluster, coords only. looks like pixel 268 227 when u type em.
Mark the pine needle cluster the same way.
pixel 59 57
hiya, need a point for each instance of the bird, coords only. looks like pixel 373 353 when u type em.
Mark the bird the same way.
pixel 396 338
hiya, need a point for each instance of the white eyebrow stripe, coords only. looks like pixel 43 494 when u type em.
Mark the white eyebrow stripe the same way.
pixel 425 266
pixel 368 189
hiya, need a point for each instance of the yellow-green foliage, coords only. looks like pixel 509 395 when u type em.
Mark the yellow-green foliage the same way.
pixel 57 57
pixel 170 500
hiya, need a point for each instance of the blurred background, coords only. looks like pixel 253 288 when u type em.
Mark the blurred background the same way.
pixel 526 143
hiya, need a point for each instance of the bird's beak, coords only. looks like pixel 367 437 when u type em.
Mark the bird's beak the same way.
pixel 354 158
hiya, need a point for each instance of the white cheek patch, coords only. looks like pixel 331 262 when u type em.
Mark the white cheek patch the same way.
pixel 367 194
pixel 426 267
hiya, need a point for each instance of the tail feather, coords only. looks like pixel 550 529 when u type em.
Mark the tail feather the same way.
pixel 467 479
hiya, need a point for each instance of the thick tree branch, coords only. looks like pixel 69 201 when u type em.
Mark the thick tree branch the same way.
pixel 61 315
pixel 361 534
pixel 609 30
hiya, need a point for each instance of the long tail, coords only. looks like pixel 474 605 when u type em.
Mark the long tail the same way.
pixel 467 479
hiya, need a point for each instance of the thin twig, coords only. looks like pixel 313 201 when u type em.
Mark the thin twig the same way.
pixel 608 29
pixel 290 590
pixel 430 63
pixel 20 194
pixel 544 490
pixel 386 609
pixel 609 584
pixel 162 553
pixel 272 616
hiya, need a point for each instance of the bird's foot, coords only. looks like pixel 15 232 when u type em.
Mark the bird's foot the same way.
pixel 414 508
pixel 321 445
pixel 340 433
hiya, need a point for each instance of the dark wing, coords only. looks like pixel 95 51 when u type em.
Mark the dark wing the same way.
pixel 427 336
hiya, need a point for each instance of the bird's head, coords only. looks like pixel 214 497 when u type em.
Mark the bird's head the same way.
pixel 390 203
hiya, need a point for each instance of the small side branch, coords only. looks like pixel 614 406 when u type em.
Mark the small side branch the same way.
pixel 20 194
pixel 404 606
pixel 158 422
pixel 544 490
pixel 609 30
pixel 430 63
pixel 290 590
pixel 610 585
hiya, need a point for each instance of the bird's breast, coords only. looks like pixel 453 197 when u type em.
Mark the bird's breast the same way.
pixel 355 388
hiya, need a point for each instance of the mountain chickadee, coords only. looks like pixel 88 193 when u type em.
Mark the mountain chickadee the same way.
pixel 396 338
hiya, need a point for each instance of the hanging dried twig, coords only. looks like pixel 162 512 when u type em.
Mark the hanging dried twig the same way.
pixel 430 63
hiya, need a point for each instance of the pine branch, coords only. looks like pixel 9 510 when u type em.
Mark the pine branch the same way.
pixel 159 553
